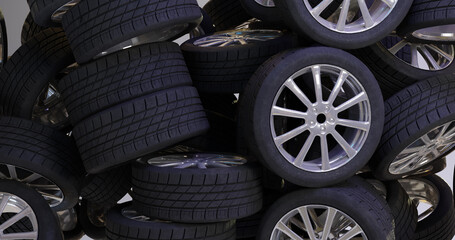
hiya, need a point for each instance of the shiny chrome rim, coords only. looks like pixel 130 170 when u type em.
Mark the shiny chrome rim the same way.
pixel 317 222
pixel 441 33
pixel 58 14
pixel 197 160
pixel 320 119
pixel 424 150
pixel 350 16
pixel 237 37
pixel 49 108
pixel 423 193
pixel 49 190
pixel 432 57
pixel 265 3
pixel 12 204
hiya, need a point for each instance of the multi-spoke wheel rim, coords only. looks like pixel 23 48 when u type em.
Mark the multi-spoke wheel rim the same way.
pixel 49 190
pixel 265 3
pixel 423 193
pixel 335 121
pixel 49 108
pixel 58 14
pixel 437 33
pixel 18 212
pixel 197 160
pixel 432 57
pixel 424 150
pixel 237 37
pixel 317 222
pixel 350 16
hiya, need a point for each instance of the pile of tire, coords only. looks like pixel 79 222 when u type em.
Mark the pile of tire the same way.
pixel 258 126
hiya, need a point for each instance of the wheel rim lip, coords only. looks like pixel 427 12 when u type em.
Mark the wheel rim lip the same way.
pixel 419 191
pixel 442 33
pixel 265 3
pixel 238 37
pixel 286 219
pixel 52 203
pixel 58 14
pixel 355 28
pixel 421 159
pixel 197 160
pixel 337 162
pixel 15 204
pixel 443 64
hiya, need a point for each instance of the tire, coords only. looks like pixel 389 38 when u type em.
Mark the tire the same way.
pixel 29 74
pixel 395 72
pixel 206 27
pixel 123 76
pixel 355 198
pixel 248 228
pixel 191 194
pixel 162 20
pixel 120 226
pixel 424 15
pixel 268 85
pixel 30 148
pixel 87 212
pixel 270 14
pixel 43 11
pixel 440 224
pixel 47 226
pixel 226 14
pixel 219 69
pixel 138 127
pixel 3 41
pixel 30 29
pixel 299 18
pixel 408 124
pixel 107 188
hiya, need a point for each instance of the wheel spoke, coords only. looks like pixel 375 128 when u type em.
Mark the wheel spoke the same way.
pixel 21 235
pixel 316 70
pixel 290 84
pixel 280 140
pixel 325 161
pixel 410 150
pixel 284 112
pixel 8 223
pixel 12 172
pixel 441 52
pixel 343 15
pixel 331 213
pixel 351 233
pixel 426 139
pixel 44 187
pixel 185 165
pixel 31 178
pixel 364 126
pixel 314 218
pixel 283 228
pixel 339 84
pixel 365 13
pixel 201 165
pixel 448 134
pixel 345 145
pixel 321 7
pixel 306 220
pixel 49 196
pixel 352 102
pixel 443 130
pixel 405 159
pixel 429 58
pixel 4 202
pixel 414 56
pixel 305 149
pixel 397 47
pixel 390 3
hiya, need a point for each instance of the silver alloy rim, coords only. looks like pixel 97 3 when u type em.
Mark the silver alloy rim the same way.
pixel 423 193
pixel 197 160
pixel 437 33
pixel 432 57
pixel 340 104
pixel 265 3
pixel 424 150
pixel 58 14
pixel 317 222
pixel 130 213
pixel 350 16
pixel 49 190
pixel 10 203
pixel 49 108
pixel 237 37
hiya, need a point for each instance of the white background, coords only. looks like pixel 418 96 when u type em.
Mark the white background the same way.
pixel 16 11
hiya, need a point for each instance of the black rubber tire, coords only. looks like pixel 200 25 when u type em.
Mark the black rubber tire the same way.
pixel 257 100
pixel 410 114
pixel 30 70
pixel 355 197
pixel 42 10
pixel 425 13
pixel 248 228
pixel 226 14
pixel 440 224
pixel 392 73
pixel 120 227
pixel 297 16
pixel 95 26
pixel 403 209
pixel 228 69
pixel 122 76
pixel 139 127
pixel 197 195
pixel 48 227
pixel 3 41
pixel 206 27
pixel 75 234
pixel 30 29
pixel 266 14
pixel 107 188
pixel 90 229
pixel 43 150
